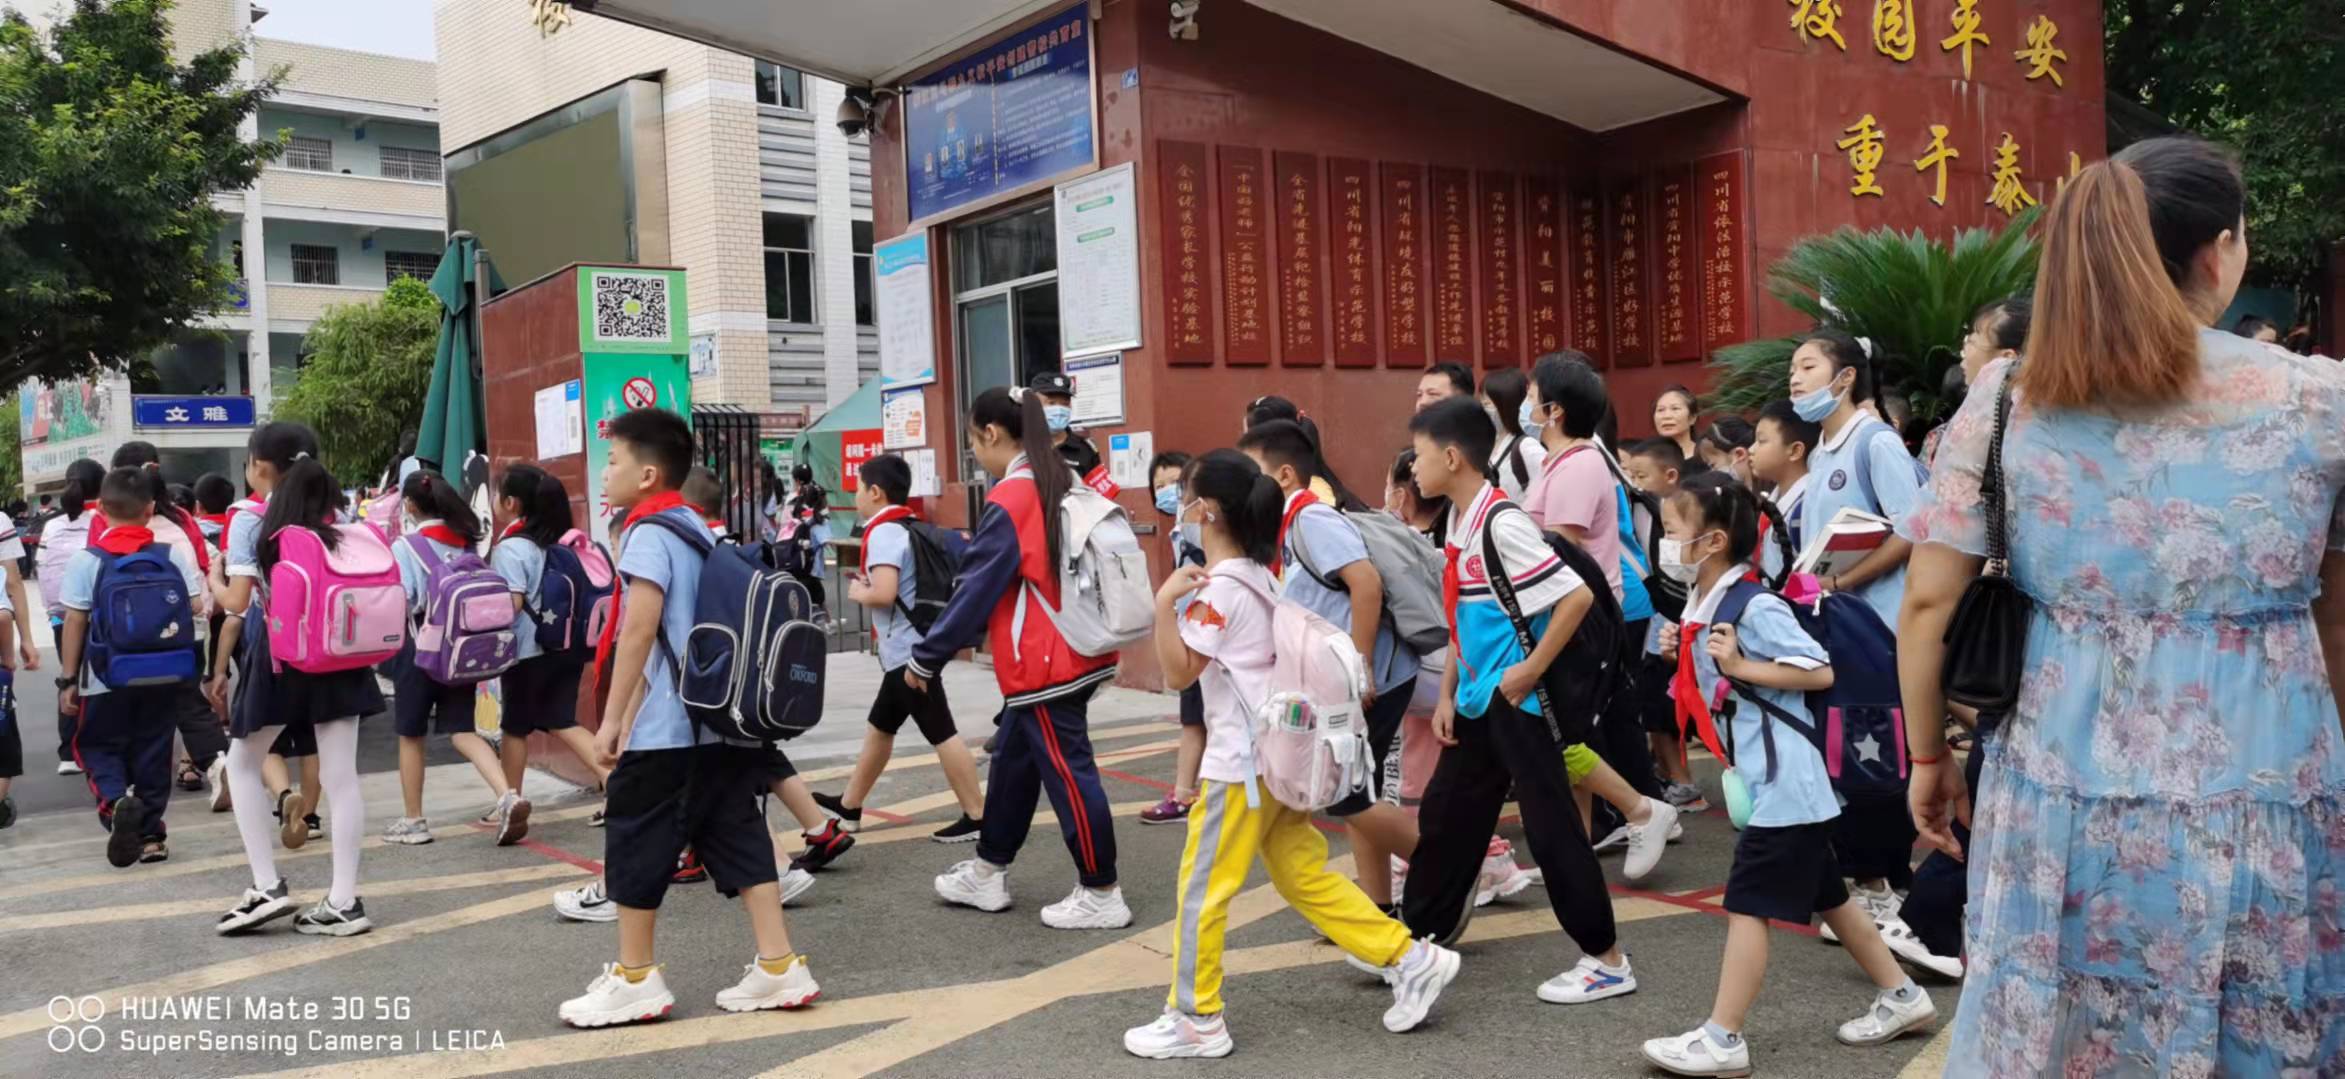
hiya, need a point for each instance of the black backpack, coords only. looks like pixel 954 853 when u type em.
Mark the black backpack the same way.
pixel 1578 687
pixel 936 563
pixel 1644 509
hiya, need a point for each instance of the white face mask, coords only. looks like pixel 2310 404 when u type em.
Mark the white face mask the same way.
pixel 1673 563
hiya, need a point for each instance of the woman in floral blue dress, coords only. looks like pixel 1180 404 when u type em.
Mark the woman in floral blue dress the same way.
pixel 2158 873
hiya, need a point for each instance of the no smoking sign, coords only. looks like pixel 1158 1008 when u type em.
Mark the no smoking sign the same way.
pixel 639 393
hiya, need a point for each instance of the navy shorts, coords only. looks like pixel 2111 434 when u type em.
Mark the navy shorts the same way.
pixel 420 706
pixel 660 800
pixel 541 694
pixel 1785 873
pixel 898 702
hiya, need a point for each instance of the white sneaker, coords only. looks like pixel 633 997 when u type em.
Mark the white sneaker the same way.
pixel 408 831
pixel 512 818
pixel 793 988
pixel 1417 982
pixel 587 904
pixel 1387 975
pixel 1177 1034
pixel 1646 841
pixel 1882 903
pixel 1901 940
pixel 1618 837
pixel 1693 1053
pixel 973 885
pixel 1589 981
pixel 1887 1019
pixel 68 768
pixel 611 1000
pixel 217 776
pixel 1087 909
pixel 795 882
pixel 1677 831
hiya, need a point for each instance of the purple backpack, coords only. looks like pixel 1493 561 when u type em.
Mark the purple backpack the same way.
pixel 466 636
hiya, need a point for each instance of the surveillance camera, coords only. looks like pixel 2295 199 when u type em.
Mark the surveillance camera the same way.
pixel 854 119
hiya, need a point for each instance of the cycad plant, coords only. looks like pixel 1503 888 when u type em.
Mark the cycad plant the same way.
pixel 1910 295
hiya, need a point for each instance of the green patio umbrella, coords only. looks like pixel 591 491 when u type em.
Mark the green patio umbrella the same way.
pixel 454 419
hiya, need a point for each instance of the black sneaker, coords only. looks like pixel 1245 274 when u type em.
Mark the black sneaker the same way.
pixel 598 818
pixel 315 827
pixel 823 847
pixel 257 907
pixel 123 845
pixel 960 831
pixel 323 920
pixel 836 806
pixel 7 810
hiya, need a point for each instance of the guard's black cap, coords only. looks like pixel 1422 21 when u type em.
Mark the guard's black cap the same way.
pixel 1052 384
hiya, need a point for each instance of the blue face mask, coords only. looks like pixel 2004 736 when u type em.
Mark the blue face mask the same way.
pixel 1168 499
pixel 1813 407
pixel 1523 419
pixel 1059 417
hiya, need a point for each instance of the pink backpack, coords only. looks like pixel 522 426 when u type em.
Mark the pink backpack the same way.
pixel 1310 733
pixel 335 610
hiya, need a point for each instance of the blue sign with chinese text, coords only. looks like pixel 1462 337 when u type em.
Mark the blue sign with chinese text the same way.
pixel 147 410
pixel 1015 113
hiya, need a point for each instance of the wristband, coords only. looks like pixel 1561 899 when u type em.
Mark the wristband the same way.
pixel 1928 760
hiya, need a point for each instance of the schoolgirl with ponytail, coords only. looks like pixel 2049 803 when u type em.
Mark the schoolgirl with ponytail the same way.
pixel 1224 638
pixel 1007 576
pixel 290 489
pixel 541 691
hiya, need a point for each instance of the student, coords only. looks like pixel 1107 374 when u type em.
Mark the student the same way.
pixel 1429 516
pixel 1488 720
pixel 213 495
pixel 125 735
pixel 1673 419
pixel 1654 466
pixel 1575 496
pixel 66 533
pixel 1273 408
pixel 1165 477
pixel 1444 380
pixel 1045 739
pixel 1784 865
pixel 671 783
pixel 421 706
pixel 1998 330
pixel 1224 642
pixel 1780 445
pixel 1726 447
pixel 541 691
pixel 11 737
pixel 290 490
pixel 198 728
pixel 887 585
pixel 706 496
pixel 1515 463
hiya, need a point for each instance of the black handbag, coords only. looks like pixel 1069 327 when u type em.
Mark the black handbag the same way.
pixel 1986 641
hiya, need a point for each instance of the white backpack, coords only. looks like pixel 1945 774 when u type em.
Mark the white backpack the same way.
pixel 1310 732
pixel 1105 602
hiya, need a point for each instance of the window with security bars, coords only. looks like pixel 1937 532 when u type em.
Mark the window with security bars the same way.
pixel 309 152
pixel 789 268
pixel 401 163
pixel 419 265
pixel 315 264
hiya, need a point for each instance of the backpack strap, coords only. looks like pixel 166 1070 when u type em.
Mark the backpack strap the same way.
pixel 1730 611
pixel 701 546
pixel 1514 456
pixel 1502 584
pixel 1303 555
pixel 1862 462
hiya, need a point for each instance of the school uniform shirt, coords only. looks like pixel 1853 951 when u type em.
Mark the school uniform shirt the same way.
pixel 60 538
pixel 890 544
pixel 1529 451
pixel 1833 486
pixel 78 591
pixel 414 576
pixel 1575 489
pixel 522 563
pixel 1769 633
pixel 11 540
pixel 1485 635
pixel 1332 542
pixel 651 553
pixel 1229 624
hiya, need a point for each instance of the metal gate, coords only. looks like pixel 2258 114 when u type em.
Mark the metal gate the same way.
pixel 727 438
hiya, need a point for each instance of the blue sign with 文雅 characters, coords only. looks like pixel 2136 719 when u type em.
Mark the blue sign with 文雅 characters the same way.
pixel 150 410
pixel 1015 113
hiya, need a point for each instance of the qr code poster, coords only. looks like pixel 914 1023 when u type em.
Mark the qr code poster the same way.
pixel 631 310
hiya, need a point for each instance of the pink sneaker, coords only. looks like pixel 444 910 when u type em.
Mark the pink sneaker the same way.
pixel 1169 811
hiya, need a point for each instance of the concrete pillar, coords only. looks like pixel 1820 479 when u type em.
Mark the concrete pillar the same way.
pixel 834 243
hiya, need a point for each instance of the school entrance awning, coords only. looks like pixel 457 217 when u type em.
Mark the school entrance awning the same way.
pixel 862 43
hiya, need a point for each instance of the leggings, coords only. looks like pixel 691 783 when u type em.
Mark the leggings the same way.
pixel 338 771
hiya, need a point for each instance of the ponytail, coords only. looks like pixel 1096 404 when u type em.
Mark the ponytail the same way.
pixel 545 503
pixel 2113 325
pixel 430 492
pixel 305 497
pixel 1250 502
pixel 82 479
pixel 1018 412
pixel 1780 532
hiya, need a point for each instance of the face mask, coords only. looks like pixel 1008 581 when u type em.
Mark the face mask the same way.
pixel 1059 417
pixel 1529 425
pixel 1673 563
pixel 1192 532
pixel 1813 407
pixel 1168 499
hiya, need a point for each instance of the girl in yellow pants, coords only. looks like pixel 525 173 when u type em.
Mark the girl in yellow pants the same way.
pixel 1223 637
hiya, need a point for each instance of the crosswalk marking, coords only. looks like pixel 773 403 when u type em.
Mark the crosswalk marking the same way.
pixel 134 912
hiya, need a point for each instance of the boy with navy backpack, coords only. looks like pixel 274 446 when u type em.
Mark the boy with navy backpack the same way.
pixel 127 646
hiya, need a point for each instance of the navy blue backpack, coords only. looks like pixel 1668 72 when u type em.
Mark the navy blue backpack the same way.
pixel 142 621
pixel 574 597
pixel 1860 721
pixel 752 668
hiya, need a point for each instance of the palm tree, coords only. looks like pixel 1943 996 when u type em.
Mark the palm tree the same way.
pixel 1913 297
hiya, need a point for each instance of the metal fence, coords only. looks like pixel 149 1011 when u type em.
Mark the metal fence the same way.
pixel 727 437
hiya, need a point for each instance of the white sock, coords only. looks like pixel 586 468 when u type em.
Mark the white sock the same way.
pixel 248 797
pixel 338 771
pixel 988 869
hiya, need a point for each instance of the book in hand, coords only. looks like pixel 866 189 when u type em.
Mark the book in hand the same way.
pixel 1843 542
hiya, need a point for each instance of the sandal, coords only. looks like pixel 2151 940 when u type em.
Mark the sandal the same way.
pixel 154 851
pixel 190 778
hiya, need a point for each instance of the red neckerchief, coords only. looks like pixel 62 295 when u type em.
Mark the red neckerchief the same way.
pixel 125 539
pixel 220 519
pixel 659 503
pixel 1685 689
pixel 1451 585
pixel 510 530
pixel 1302 500
pixel 439 531
pixel 892 513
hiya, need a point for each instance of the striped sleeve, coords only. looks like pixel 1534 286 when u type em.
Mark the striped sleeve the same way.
pixel 1539 577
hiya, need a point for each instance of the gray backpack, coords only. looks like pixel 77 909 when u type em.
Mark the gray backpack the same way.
pixel 1411 569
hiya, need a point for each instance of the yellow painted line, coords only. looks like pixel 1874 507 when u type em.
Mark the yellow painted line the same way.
pixel 1110 732
pixel 131 912
pixel 1931 1060
pixel 1042 817
pixel 282 958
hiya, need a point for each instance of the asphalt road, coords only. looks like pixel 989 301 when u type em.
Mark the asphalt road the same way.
pixel 468 962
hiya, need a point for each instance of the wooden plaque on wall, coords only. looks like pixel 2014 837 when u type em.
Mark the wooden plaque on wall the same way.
pixel 1453 265
pixel 1351 193
pixel 1543 303
pixel 1302 295
pixel 1677 334
pixel 1245 271
pixel 1632 257
pixel 1588 274
pixel 1721 221
pixel 1502 275
pixel 1184 209
pixel 1407 311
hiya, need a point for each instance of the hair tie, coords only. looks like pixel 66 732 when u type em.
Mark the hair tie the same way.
pixel 301 455
pixel 1865 343
pixel 1018 393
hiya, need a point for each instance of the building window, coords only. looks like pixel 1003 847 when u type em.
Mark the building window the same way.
pixel 309 152
pixel 314 264
pixel 789 268
pixel 778 85
pixel 863 311
pixel 401 163
pixel 419 265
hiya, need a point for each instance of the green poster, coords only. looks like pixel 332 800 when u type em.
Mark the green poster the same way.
pixel 614 384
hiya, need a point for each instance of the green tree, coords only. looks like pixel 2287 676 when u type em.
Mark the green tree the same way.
pixel 1911 295
pixel 363 384
pixel 109 154
pixel 11 457
pixel 2261 76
